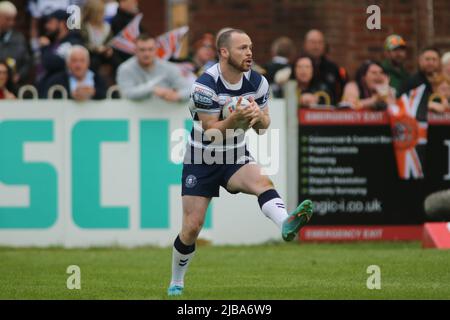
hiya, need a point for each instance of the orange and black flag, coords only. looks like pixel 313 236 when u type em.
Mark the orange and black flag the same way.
pixel 409 131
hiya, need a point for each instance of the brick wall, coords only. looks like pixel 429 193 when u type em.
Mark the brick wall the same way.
pixel 154 16
pixel 343 22
pixel 441 10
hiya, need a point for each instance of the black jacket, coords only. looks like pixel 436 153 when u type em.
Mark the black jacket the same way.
pixel 315 87
pixel 52 62
pixel 120 21
pixel 272 68
pixel 416 80
pixel 13 45
pixel 334 77
pixel 62 78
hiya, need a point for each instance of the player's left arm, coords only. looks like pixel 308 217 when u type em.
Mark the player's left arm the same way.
pixel 260 106
pixel 261 119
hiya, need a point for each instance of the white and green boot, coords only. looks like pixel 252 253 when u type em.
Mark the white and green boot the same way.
pixel 296 220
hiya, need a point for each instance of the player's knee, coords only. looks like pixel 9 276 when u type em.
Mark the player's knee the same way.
pixel 265 183
pixel 194 226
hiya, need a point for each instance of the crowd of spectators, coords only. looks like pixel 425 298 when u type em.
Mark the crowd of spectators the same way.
pixel 85 64
pixel 323 84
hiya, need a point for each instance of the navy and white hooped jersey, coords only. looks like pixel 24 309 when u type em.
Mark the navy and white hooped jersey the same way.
pixel 211 92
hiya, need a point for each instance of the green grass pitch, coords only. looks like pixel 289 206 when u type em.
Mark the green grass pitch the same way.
pixel 271 271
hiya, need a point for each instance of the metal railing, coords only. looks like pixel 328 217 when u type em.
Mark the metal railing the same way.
pixel 32 90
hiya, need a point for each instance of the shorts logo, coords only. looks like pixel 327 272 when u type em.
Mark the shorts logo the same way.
pixel 191 181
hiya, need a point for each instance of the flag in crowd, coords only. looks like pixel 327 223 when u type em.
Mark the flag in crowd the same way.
pixel 409 128
pixel 125 40
pixel 168 44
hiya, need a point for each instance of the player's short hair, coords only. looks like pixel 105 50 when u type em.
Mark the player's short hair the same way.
pixel 223 40
pixel 220 32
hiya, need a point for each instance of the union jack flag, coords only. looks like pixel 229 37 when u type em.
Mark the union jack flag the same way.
pixel 169 44
pixel 409 131
pixel 125 40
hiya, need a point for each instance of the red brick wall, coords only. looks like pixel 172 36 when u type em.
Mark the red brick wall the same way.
pixel 442 22
pixel 343 22
pixel 154 20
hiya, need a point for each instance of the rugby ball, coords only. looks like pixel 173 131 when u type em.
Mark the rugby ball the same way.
pixel 230 106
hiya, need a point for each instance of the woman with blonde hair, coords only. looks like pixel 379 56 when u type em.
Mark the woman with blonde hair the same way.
pixel 439 100
pixel 96 33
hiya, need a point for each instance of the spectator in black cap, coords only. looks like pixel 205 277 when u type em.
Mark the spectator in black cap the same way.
pixel 55 45
pixel 38 10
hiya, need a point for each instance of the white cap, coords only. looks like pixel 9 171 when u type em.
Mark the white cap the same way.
pixel 7 7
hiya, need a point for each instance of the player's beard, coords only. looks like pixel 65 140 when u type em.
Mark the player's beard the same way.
pixel 236 65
